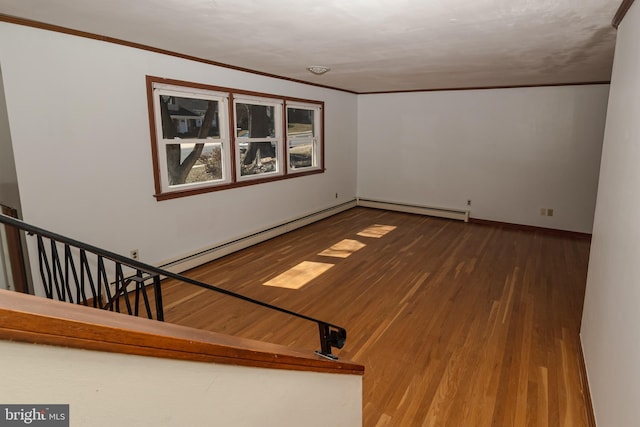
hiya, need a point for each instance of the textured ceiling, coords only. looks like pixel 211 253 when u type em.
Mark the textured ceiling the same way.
pixel 370 45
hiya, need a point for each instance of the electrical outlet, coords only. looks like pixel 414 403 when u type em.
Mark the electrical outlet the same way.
pixel 549 212
pixel 336 195
pixel 543 211
pixel 133 254
pixel 469 202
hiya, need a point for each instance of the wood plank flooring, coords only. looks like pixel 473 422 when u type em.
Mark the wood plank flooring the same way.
pixel 457 324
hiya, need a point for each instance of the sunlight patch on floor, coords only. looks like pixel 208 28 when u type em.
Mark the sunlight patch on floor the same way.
pixel 299 275
pixel 377 230
pixel 343 249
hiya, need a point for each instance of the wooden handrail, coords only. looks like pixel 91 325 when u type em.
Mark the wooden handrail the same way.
pixel 38 320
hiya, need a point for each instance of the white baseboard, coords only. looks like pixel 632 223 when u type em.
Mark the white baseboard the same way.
pixel 202 256
pixel 461 215
pixel 186 262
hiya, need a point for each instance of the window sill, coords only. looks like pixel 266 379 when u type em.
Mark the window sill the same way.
pixel 201 190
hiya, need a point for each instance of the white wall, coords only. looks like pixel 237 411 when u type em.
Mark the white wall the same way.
pixel 9 195
pixel 78 116
pixel 611 316
pixel 108 389
pixel 510 151
pixel 8 182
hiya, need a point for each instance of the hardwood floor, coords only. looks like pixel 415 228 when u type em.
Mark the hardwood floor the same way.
pixel 457 324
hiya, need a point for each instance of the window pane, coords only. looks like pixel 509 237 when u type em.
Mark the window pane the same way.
pixel 300 122
pixel 301 154
pixel 258 158
pixel 192 163
pixel 255 121
pixel 189 117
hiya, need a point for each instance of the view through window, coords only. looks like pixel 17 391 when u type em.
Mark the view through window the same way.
pixel 195 150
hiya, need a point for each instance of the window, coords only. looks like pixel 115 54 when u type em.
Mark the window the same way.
pixel 303 137
pixel 192 139
pixel 206 138
pixel 258 137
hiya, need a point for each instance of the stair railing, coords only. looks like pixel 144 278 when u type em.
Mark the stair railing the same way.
pixel 80 273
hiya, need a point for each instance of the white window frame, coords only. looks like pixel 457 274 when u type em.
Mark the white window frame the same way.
pixel 278 139
pixel 315 139
pixel 222 98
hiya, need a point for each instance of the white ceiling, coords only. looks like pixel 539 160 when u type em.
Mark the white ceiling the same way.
pixel 370 45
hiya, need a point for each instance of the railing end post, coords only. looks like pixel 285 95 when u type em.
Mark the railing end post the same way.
pixel 330 337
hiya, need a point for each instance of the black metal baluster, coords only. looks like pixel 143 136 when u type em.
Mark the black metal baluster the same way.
pixel 157 291
pixel 70 265
pixel 123 289
pixel 85 268
pixel 43 261
pixel 58 277
pixel 103 284
pixel 145 298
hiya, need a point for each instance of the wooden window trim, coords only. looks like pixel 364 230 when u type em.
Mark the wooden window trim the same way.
pixel 621 12
pixel 235 183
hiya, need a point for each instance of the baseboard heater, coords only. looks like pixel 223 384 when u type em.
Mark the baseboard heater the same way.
pixel 178 265
pixel 462 215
